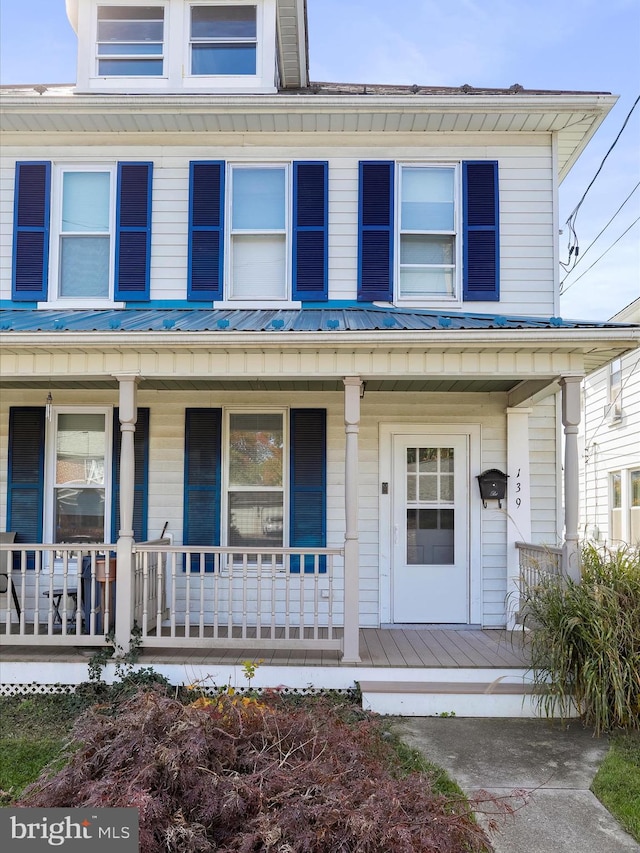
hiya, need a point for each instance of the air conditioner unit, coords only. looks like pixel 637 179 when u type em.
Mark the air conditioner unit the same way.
pixel 613 413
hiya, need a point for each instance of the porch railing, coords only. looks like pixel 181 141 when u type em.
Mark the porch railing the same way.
pixel 59 595
pixel 538 562
pixel 234 598
pixel 180 596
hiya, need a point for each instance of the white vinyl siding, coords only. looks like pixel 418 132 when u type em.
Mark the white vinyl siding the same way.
pixel 610 444
pixel 166 464
pixel 526 221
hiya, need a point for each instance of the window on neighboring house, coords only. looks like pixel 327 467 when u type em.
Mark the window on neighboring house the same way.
pixel 80 481
pixel 615 385
pixel 85 233
pixel 634 509
pixel 428 227
pixel 223 40
pixel 130 41
pixel 615 499
pixel 258 255
pixel 255 479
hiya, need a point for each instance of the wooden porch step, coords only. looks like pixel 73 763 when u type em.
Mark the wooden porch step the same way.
pixel 438 687
pixel 451 698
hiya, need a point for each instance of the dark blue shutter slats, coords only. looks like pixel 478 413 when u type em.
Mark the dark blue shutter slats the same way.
pixel 202 479
pixel 25 485
pixel 32 202
pixel 133 232
pixel 481 246
pixel 375 231
pixel 308 478
pixel 141 483
pixel 206 231
pixel 310 230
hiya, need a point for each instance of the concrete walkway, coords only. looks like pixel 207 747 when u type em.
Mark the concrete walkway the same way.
pixel 555 762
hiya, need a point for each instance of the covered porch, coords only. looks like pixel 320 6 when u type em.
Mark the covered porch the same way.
pixel 296 601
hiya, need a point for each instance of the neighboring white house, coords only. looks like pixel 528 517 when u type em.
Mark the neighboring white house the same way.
pixel 286 323
pixel 610 474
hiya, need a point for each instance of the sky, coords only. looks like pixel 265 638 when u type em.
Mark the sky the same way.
pixel 577 45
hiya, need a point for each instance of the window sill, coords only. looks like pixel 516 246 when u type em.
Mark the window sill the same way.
pixel 81 304
pixel 267 305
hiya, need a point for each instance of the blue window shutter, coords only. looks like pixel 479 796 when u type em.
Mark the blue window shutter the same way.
pixel 310 231
pixel 133 231
pixel 481 221
pixel 25 481
pixel 308 483
pixel 32 202
pixel 206 231
pixel 141 482
pixel 375 231
pixel 202 479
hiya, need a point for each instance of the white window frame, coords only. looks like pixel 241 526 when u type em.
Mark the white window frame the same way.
pixel 227 81
pixel 162 56
pixel 634 509
pixel 436 300
pixel 55 255
pixel 222 41
pixel 225 462
pixel 241 302
pixel 176 77
pixel 50 465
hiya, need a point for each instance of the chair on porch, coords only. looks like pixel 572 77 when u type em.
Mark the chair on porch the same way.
pixel 6 583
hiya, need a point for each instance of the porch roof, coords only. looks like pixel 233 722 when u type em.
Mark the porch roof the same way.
pixel 311 318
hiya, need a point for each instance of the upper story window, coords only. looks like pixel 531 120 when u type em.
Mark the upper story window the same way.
pixel 428 226
pixel 223 40
pixel 428 233
pixel 258 234
pixel 84 233
pixel 130 41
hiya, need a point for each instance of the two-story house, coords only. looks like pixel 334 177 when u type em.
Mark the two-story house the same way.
pixel 260 336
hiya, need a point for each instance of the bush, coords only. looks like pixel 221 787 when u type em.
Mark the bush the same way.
pixel 585 639
pixel 254 774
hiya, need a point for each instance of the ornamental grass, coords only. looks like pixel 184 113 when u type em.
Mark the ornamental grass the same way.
pixel 585 639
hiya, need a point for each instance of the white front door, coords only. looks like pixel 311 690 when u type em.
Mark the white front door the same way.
pixel 430 529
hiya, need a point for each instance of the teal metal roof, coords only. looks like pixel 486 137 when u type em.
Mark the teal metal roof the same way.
pixel 307 319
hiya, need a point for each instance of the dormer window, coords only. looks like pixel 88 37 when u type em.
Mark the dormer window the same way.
pixel 130 41
pixel 178 46
pixel 223 40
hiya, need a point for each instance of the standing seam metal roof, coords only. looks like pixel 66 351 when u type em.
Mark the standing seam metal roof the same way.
pixel 272 320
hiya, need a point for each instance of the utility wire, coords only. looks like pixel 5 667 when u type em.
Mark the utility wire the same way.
pixel 635 222
pixel 597 237
pixel 573 246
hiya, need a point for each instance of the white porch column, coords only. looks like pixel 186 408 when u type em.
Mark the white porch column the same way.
pixel 351 643
pixel 128 414
pixel 518 503
pixel 570 420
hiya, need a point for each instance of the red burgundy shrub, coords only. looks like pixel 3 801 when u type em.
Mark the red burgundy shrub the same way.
pixel 240 775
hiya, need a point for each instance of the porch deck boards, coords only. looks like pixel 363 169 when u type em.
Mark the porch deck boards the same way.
pixel 379 647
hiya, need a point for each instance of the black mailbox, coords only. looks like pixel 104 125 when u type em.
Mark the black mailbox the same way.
pixel 493 486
